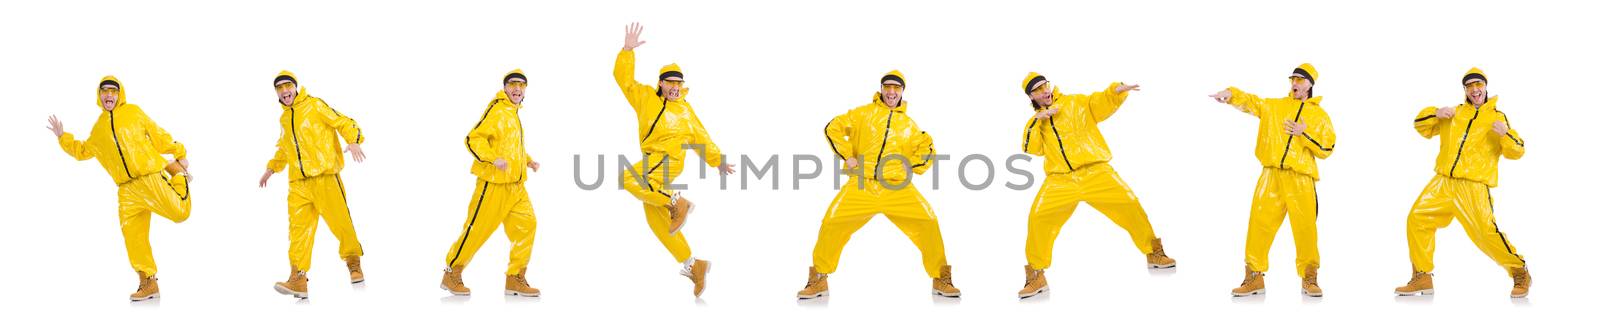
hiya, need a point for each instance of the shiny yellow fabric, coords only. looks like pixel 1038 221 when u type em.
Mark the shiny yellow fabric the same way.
pixel 310 198
pixel 1071 139
pixel 309 143
pixel 883 140
pixel 1274 147
pixel 1100 186
pixel 1465 200
pixel 136 200
pixel 1468 146
pixel 858 202
pixel 126 142
pixel 498 135
pixel 493 204
pixel 1279 192
pixel 664 126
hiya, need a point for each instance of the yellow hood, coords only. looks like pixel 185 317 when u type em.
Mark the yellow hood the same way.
pixel 122 92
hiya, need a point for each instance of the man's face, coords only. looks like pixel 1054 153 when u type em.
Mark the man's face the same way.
pixel 891 93
pixel 108 96
pixel 1300 87
pixel 1477 91
pixel 1041 94
pixel 287 91
pixel 671 88
pixel 515 88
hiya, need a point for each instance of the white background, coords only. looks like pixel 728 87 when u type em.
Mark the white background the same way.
pixel 765 79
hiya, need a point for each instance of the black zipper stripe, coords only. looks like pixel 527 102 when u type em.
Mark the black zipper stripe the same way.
pixel 1318 144
pixel 299 161
pixel 468 141
pixel 1508 125
pixel 1060 146
pixel 1463 145
pixel 1496 225
pixel 888 122
pixel 1027 134
pixel 830 140
pixel 1290 141
pixel 468 232
pixel 653 123
pixel 1425 118
pixel 118 143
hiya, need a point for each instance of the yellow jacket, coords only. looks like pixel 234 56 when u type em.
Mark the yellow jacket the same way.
pixel 877 134
pixel 1071 139
pixel 309 145
pixel 1468 147
pixel 1274 147
pixel 498 135
pixel 664 126
pixel 127 142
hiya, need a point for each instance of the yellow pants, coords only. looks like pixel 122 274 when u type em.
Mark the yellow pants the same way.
pixel 1465 200
pixel 319 196
pixel 492 204
pixel 1280 191
pixel 856 204
pixel 136 199
pixel 656 197
pixel 1096 184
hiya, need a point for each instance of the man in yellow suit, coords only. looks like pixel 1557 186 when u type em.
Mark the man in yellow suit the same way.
pixel 1292 134
pixel 308 149
pixel 1472 138
pixel 667 127
pixel 1065 130
pixel 881 146
pixel 129 146
pixel 499 195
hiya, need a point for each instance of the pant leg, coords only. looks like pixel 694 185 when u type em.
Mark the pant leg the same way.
pixel 910 212
pixel 1300 195
pixel 167 197
pixel 1477 217
pixel 520 228
pixel 1267 209
pixel 1432 210
pixel 331 202
pixel 135 222
pixel 651 190
pixel 1052 206
pixel 1104 189
pixel 302 223
pixel 850 210
pixel 660 220
pixel 484 214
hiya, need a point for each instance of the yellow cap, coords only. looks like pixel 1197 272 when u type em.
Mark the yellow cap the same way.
pixel 1474 73
pixel 1307 71
pixel 671 70
pixel 1031 80
pixel 893 75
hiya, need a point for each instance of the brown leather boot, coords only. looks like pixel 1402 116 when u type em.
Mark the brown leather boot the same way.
pixel 697 274
pixel 295 286
pixel 1421 283
pixel 518 285
pixel 816 285
pixel 1157 258
pixel 943 286
pixel 1308 282
pixel 147 288
pixel 1254 283
pixel 1034 284
pixel 354 264
pixel 452 281
pixel 1520 280
pixel 680 209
